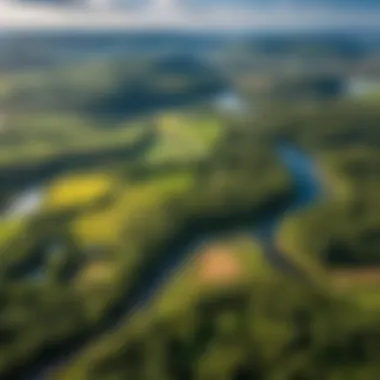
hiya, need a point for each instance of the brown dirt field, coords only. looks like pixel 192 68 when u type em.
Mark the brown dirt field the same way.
pixel 217 265
pixel 356 277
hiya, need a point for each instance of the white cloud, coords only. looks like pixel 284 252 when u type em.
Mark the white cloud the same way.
pixel 169 13
pixel 100 4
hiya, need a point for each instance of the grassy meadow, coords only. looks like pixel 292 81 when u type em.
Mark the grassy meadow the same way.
pixel 34 138
pixel 183 137
pixel 128 200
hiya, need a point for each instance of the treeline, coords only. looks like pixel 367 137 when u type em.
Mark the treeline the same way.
pixel 308 87
pixel 311 47
pixel 36 170
pixel 114 87
pixel 20 51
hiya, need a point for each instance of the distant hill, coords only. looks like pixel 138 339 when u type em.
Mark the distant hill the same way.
pixel 327 45
pixel 39 49
pixel 125 85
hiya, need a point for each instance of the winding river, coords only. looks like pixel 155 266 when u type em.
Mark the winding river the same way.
pixel 308 191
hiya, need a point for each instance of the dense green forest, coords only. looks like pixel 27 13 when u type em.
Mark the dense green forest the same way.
pixel 77 115
pixel 121 86
pixel 273 329
pixel 169 208
pixel 270 327
pixel 166 244
pixel 69 284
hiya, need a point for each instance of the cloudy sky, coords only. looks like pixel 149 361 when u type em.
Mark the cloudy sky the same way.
pixel 255 14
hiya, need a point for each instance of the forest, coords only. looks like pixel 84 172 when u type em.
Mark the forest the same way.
pixel 91 279
pixel 124 85
pixel 175 240
pixel 268 326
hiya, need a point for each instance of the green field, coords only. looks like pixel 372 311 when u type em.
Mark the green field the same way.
pixel 128 201
pixel 28 139
pixel 184 137
pixel 127 217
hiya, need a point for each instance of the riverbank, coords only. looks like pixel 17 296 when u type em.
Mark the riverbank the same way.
pixel 266 197
pixel 166 268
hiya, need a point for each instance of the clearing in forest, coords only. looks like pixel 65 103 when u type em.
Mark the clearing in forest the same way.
pixel 218 265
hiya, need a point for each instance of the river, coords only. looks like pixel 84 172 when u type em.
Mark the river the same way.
pixel 308 191
pixel 24 204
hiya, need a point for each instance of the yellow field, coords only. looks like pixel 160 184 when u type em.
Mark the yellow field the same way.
pixel 78 190
pixel 104 227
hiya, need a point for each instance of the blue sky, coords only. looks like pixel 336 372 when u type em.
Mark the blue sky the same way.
pixel 228 14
